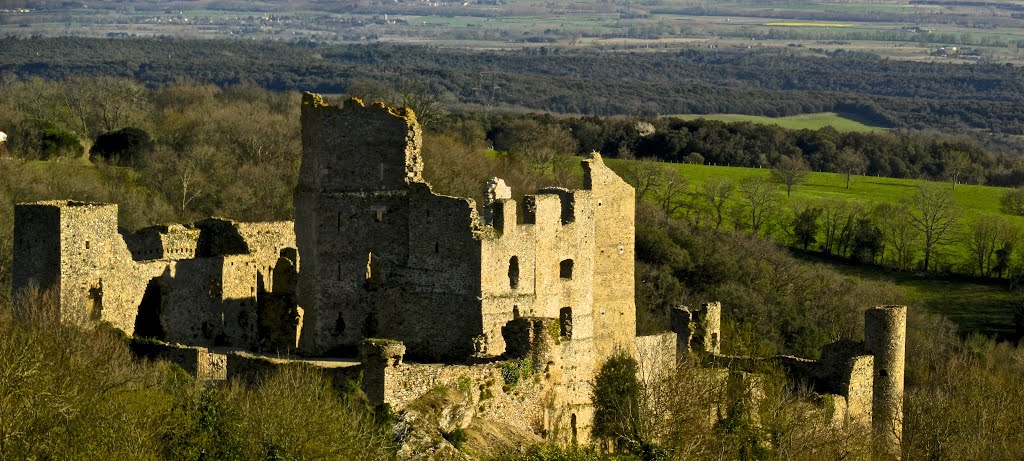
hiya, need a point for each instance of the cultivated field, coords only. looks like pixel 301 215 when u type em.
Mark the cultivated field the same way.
pixel 922 32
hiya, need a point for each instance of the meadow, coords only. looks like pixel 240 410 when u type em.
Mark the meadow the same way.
pixel 971 200
pixel 974 304
pixel 793 122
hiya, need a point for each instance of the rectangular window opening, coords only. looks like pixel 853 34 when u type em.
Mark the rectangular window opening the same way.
pixel 565 269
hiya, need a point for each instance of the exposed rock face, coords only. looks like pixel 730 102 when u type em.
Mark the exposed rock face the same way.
pixel 443 425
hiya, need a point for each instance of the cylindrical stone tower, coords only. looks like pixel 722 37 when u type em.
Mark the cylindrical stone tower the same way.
pixel 885 337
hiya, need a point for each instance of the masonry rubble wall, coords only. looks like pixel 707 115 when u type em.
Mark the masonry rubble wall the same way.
pixel 385 256
pixel 199 362
pixel 656 355
pixel 101 275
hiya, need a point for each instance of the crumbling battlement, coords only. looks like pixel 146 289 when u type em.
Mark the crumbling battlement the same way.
pixel 861 381
pixel 384 256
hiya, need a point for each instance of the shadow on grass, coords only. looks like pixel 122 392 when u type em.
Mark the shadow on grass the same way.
pixel 975 304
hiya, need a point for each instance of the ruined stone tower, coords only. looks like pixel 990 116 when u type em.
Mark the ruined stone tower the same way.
pixel 216 282
pixel 68 246
pixel 885 338
pixel 384 256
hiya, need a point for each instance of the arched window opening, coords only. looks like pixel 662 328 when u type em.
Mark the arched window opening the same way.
pixel 369 329
pixel 96 295
pixel 513 272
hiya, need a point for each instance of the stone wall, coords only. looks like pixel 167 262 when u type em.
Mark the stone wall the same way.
pixel 199 362
pixel 656 355
pixel 199 285
pixel 859 383
pixel 382 256
pixel 614 203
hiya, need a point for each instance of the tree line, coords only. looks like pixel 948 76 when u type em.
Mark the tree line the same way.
pixel 900 94
pixel 925 230
pixel 896 154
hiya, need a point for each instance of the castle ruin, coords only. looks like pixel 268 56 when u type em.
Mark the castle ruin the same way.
pixel 524 301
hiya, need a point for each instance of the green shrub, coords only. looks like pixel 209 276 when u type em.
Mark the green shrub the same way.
pixel 295 413
pixel 124 147
pixel 616 398
pixel 515 370
pixel 75 394
pixel 51 141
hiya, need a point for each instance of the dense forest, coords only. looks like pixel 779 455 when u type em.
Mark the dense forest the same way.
pixel 895 154
pixel 959 98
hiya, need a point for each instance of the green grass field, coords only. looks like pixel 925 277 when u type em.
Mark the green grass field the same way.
pixel 975 305
pixel 795 122
pixel 971 199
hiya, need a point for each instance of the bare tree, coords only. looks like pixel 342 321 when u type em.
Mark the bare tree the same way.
pixel 186 177
pixel 851 163
pixel 423 101
pixel 717 192
pixel 759 200
pixel 833 212
pixel 899 233
pixel 645 175
pixel 548 146
pixel 105 103
pixel 955 164
pixel 672 194
pixel 790 172
pixel 414 94
pixel 933 213
pixel 986 236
